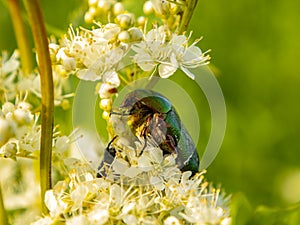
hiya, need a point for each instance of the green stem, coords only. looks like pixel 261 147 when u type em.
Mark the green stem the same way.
pixel 187 15
pixel 21 36
pixel 3 216
pixel 37 24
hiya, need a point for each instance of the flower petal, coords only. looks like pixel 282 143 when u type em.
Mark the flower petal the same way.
pixel 166 70
pixel 188 73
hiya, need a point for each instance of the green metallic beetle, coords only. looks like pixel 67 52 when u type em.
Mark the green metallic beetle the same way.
pixel 151 115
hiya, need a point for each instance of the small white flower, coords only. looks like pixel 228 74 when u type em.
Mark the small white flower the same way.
pixel 155 51
pixel 43 221
pixel 78 195
pixel 98 216
pixel 61 85
pixel 10 65
pixel 67 62
pixel 172 220
pixel 130 219
pixel 23 117
pixel 77 220
pixel 8 107
pixel 92 53
pixel 158 183
pixel 55 206
pixel 9 150
pixel 107 90
pixel 226 221
pixel 120 166
pixel 62 144
pixel 132 172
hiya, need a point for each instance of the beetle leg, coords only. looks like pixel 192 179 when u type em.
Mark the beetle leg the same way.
pixel 109 155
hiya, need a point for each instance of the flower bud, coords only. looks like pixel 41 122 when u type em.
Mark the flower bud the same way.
pixel 105 104
pixel 135 34
pixel 65 104
pixel 8 107
pixel 118 8
pixel 10 150
pixel 107 90
pixel 110 31
pixel 53 49
pixel 88 17
pixel 69 64
pixel 141 21
pixel 161 7
pixel 22 114
pixel 6 131
pixel 105 115
pixel 148 8
pixel 93 2
pixel 125 20
pixel 104 5
pixel 24 106
pixel 124 36
pixel 22 117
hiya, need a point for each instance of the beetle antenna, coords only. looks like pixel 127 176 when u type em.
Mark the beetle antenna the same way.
pixel 112 140
pixel 118 113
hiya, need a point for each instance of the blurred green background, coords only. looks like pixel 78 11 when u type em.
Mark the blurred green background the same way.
pixel 255 55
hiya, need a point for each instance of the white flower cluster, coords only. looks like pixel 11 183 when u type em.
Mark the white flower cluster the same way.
pixel 103 10
pixel 147 166
pixel 145 189
pixel 60 85
pixel 10 73
pixel 92 55
pixel 19 187
pixel 169 52
pixel 163 8
pixel 98 54
pixel 13 82
pixel 19 131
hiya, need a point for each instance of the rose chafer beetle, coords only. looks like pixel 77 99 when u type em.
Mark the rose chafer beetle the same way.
pixel 152 116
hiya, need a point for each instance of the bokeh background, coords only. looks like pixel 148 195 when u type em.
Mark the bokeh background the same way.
pixel 255 49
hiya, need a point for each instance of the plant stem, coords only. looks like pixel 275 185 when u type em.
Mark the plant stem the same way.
pixel 187 15
pixel 21 36
pixel 3 216
pixel 36 20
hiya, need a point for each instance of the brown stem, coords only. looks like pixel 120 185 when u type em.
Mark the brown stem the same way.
pixel 37 24
pixel 3 216
pixel 21 36
pixel 187 15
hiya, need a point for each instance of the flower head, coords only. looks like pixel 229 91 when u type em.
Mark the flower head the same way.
pixel 168 52
pixel 140 186
pixel 92 54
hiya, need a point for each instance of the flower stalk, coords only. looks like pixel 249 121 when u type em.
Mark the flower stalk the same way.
pixel 187 15
pixel 3 216
pixel 21 36
pixel 36 20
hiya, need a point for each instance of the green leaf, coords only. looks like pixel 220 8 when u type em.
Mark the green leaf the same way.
pixel 241 210
pixel 274 216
